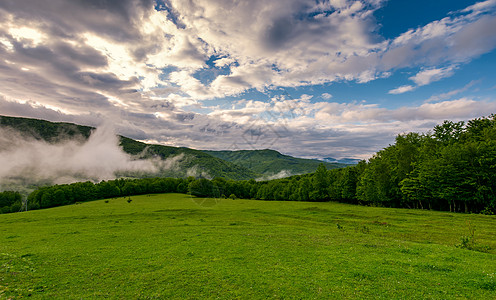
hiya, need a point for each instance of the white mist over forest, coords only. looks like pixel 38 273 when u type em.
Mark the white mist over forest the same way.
pixel 25 160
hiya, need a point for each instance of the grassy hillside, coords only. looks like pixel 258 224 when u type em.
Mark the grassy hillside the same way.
pixel 271 162
pixel 172 246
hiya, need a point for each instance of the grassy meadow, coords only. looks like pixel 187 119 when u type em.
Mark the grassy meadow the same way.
pixel 174 246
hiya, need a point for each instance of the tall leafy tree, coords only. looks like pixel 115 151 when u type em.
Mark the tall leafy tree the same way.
pixel 320 184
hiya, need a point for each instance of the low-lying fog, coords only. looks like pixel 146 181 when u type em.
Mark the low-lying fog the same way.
pixel 27 161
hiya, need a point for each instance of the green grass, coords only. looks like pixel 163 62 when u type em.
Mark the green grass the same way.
pixel 169 246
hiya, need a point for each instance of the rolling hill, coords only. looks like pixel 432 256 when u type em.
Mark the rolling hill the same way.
pixel 237 165
pixel 200 162
pixel 270 162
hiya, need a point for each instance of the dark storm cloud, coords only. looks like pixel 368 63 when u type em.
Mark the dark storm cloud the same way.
pixel 122 8
pixel 57 75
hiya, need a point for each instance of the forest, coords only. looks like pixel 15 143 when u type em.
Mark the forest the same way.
pixel 451 168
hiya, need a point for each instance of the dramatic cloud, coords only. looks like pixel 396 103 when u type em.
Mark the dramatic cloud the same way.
pixel 206 74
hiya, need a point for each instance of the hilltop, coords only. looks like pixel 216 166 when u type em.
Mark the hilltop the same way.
pixel 236 165
pixel 269 162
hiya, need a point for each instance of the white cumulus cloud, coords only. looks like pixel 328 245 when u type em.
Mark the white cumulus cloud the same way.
pixel 402 89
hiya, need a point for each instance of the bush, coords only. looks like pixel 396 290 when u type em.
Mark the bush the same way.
pixel 16 207
pixel 469 242
pixel 488 211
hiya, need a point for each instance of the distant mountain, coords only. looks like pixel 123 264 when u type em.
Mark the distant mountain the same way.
pixel 346 161
pixel 44 130
pixel 237 165
pixel 193 162
pixel 270 162
pixel 207 165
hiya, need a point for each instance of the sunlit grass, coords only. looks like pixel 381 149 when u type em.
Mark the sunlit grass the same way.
pixel 169 246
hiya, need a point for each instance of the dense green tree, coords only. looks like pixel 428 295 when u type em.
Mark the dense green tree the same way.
pixel 320 184
pixel 8 198
pixel 201 188
pixel 348 184
pixel 10 201
pixel 108 189
pixel 449 132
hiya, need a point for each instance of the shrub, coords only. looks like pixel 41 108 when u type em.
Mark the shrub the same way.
pixel 487 211
pixel 469 242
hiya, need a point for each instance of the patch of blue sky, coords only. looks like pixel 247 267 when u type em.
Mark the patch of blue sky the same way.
pixel 375 91
pixel 164 5
pixel 160 5
pixel 216 104
pixel 208 74
pixel 397 17
pixel 473 80
pixel 305 15
pixel 164 75
pixel 481 69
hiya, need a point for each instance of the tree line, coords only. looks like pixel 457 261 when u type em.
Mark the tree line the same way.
pixel 57 195
pixel 451 168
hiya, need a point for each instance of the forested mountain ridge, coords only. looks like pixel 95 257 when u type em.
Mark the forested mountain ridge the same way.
pixel 210 165
pixel 45 130
pixel 237 165
pixel 272 162
pixel 203 164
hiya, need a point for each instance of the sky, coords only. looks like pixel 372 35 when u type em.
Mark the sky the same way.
pixel 309 78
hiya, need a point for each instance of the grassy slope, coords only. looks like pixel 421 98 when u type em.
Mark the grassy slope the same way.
pixel 271 162
pixel 169 246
